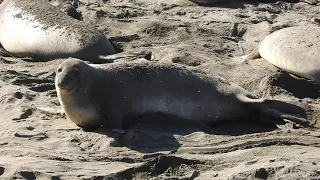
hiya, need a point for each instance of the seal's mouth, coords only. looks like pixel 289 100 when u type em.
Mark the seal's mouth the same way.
pixel 65 87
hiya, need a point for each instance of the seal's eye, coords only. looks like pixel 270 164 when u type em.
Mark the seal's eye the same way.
pixel 60 69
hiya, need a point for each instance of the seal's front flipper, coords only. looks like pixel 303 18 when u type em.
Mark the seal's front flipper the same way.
pixel 5 53
pixel 88 128
pixel 50 110
pixel 32 59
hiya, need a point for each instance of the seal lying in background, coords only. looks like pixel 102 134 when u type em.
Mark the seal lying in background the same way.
pixel 67 7
pixel 115 94
pixel 34 28
pixel 293 49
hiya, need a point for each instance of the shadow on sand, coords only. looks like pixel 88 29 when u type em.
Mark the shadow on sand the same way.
pixel 241 3
pixel 290 83
pixel 152 133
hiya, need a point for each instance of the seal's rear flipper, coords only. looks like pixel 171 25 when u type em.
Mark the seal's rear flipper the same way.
pixel 278 110
pixel 286 111
pixel 125 56
pixel 286 117
pixel 253 55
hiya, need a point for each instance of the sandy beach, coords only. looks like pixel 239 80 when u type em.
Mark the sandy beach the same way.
pixel 36 144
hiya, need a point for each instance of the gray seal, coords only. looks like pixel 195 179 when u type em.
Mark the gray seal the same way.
pixel 114 94
pixel 34 28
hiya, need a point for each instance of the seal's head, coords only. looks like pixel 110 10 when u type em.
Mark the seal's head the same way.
pixel 74 87
pixel 70 74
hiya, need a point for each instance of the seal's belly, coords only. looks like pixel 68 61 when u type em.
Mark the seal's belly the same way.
pixel 193 109
pixel 82 116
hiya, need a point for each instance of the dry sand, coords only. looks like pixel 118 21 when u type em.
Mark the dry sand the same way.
pixel 39 145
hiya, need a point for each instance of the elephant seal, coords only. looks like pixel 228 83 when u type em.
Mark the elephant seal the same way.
pixel 293 49
pixel 114 94
pixel 34 28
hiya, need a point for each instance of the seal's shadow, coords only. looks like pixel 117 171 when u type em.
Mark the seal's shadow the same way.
pixel 159 132
pixel 284 80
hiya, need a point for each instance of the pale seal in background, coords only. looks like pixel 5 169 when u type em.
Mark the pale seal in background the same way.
pixel 294 49
pixel 34 28
pixel 67 7
pixel 114 94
